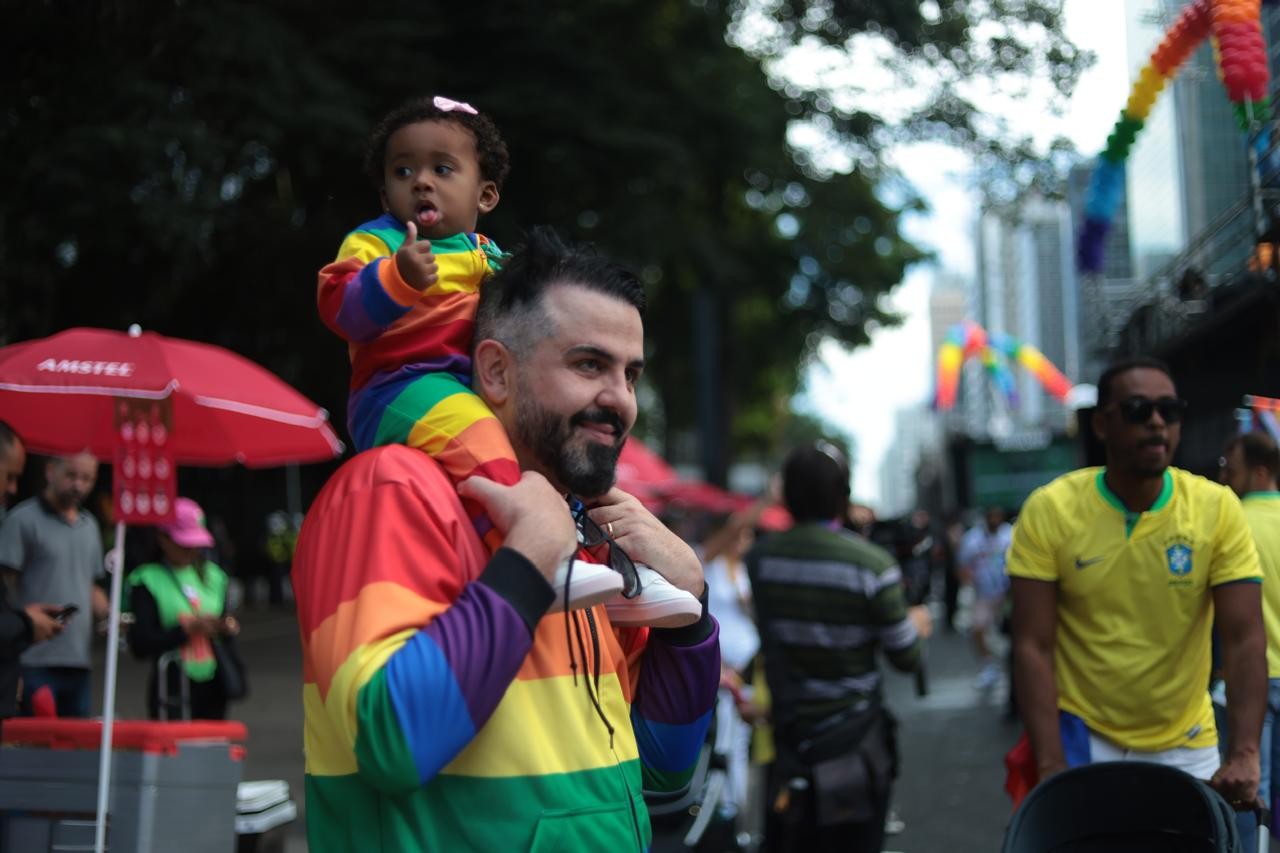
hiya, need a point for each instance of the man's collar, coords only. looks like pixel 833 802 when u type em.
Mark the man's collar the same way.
pixel 1162 500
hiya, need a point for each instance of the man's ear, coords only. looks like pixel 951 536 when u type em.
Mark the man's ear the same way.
pixel 488 197
pixel 494 372
pixel 1099 425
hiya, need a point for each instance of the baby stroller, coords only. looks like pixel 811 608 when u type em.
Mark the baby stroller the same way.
pixel 1128 806
pixel 702 817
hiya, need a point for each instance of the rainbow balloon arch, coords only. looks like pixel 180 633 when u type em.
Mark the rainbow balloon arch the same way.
pixel 996 352
pixel 1235 27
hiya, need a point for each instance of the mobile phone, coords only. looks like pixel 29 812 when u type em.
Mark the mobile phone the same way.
pixel 66 612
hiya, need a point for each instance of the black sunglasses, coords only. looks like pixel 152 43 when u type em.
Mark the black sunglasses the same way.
pixel 592 536
pixel 1137 410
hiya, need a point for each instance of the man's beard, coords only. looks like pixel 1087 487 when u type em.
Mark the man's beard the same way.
pixel 586 468
pixel 68 500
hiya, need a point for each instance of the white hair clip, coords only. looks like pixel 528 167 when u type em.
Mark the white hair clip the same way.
pixel 447 105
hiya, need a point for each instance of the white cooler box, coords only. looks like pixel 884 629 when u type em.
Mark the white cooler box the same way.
pixel 263 814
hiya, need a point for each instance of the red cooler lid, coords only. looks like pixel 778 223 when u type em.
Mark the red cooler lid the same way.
pixel 143 735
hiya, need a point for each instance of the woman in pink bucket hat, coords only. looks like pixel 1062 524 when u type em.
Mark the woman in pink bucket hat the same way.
pixel 179 605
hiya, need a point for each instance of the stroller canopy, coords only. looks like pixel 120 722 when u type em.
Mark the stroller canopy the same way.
pixel 1129 806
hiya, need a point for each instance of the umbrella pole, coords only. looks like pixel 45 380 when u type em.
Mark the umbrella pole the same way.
pixel 109 691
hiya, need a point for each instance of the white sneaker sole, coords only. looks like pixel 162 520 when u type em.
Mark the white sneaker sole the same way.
pixel 672 612
pixel 590 585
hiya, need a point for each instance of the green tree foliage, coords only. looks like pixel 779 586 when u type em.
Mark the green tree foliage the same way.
pixel 190 165
pixel 939 58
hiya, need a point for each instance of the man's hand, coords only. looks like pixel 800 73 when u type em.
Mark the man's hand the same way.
pixel 1237 780
pixel 922 619
pixel 198 626
pixel 647 540
pixel 414 261
pixel 532 517
pixel 43 624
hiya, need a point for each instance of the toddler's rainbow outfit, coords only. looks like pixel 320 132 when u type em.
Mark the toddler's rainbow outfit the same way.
pixel 411 352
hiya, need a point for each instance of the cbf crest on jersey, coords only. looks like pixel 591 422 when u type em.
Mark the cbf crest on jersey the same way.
pixel 1179 557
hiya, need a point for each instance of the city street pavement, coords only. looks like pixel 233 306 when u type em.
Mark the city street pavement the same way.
pixel 950 794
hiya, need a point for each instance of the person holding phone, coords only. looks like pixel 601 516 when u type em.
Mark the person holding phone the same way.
pixel 179 604
pixel 52 547
pixel 20 627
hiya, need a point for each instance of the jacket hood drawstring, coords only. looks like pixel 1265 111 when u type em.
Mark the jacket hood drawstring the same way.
pixel 593 689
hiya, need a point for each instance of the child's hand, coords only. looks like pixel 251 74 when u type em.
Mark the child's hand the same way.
pixel 414 260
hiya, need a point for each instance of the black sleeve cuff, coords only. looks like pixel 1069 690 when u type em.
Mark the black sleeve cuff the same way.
pixel 511 575
pixel 689 635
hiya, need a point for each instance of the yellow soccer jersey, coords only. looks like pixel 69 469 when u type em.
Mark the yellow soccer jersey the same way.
pixel 1135 609
pixel 1262 511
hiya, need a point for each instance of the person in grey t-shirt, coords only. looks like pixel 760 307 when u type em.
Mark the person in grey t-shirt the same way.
pixel 55 549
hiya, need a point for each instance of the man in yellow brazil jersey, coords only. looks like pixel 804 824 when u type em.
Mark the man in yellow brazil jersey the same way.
pixel 1118 574
pixel 1250 465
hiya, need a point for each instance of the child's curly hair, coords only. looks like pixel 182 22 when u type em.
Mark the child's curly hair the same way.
pixel 491 151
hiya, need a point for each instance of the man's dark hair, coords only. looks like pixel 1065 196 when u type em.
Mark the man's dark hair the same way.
pixel 491 151
pixel 1259 451
pixel 7 436
pixel 815 482
pixel 1116 368
pixel 510 307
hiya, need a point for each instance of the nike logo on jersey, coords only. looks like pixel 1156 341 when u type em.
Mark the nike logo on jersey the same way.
pixel 1080 564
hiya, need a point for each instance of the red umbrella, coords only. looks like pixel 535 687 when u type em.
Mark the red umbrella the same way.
pixel 60 392
pixel 65 393
pixel 643 473
pixel 775 518
pixel 696 494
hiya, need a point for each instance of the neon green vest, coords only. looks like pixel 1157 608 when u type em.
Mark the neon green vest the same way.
pixel 183 590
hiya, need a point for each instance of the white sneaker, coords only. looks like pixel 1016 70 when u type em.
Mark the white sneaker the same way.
pixel 589 585
pixel 660 604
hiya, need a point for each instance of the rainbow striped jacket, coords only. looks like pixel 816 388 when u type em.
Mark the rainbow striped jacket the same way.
pixel 441 709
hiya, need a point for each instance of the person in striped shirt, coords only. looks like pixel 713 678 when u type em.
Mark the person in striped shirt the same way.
pixel 445 707
pixel 826 600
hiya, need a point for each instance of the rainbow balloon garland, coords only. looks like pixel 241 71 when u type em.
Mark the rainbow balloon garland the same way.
pixel 996 352
pixel 1241 53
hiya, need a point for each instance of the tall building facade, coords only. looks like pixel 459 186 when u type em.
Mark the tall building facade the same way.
pixel 915 438
pixel 1189 170
pixel 1026 288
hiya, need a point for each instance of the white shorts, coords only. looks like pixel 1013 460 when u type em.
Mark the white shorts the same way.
pixel 1201 762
